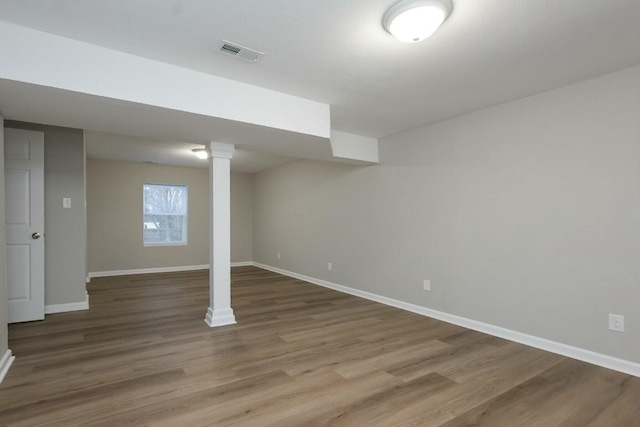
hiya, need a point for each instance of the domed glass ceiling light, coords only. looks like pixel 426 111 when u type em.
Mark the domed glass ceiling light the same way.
pixel 413 20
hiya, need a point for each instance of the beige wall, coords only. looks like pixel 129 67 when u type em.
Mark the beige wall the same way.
pixel 524 215
pixel 241 217
pixel 3 253
pixel 65 241
pixel 114 193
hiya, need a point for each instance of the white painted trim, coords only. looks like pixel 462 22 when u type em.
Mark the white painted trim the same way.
pixel 219 317
pixel 588 356
pixel 148 270
pixel 221 150
pixel 63 308
pixel 5 364
pixel 160 270
pixel 242 264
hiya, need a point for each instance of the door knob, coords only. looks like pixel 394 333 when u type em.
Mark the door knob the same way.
pixel 35 235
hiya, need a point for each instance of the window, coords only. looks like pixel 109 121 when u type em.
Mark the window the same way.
pixel 164 214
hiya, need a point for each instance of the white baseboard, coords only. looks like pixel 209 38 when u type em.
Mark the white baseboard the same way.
pixel 63 308
pixel 159 270
pixel 242 264
pixel 588 356
pixel 148 270
pixel 5 364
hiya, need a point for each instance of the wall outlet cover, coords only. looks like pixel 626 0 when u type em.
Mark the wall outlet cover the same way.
pixel 616 322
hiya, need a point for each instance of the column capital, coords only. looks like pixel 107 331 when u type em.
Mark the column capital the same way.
pixel 221 150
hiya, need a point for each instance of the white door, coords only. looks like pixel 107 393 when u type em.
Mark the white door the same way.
pixel 24 188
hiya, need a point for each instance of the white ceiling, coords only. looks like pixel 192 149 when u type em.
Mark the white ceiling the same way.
pixel 111 146
pixel 336 51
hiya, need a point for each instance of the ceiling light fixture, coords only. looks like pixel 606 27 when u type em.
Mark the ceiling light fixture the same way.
pixel 201 153
pixel 413 20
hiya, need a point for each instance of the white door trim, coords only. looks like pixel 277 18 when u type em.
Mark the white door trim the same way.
pixel 5 364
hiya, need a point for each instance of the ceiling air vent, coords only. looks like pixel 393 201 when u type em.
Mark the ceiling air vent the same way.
pixel 241 52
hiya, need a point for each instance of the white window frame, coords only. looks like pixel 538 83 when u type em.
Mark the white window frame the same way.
pixel 185 242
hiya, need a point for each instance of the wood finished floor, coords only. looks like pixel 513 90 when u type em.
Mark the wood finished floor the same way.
pixel 300 355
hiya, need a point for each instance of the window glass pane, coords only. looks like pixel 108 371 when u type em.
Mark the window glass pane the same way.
pixel 164 214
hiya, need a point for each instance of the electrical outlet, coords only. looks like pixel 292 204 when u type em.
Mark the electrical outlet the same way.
pixel 426 285
pixel 329 266
pixel 278 255
pixel 616 322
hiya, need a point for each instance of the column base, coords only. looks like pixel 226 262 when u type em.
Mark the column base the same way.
pixel 219 317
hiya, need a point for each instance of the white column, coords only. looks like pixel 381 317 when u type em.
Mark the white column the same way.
pixel 220 312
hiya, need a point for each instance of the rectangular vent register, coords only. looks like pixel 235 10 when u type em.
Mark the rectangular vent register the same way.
pixel 238 51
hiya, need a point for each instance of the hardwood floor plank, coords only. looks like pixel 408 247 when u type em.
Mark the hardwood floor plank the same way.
pixel 65 402
pixel 300 355
pixel 184 406
pixel 624 410
pixel 296 403
pixel 372 410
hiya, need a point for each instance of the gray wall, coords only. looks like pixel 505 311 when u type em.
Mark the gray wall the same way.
pixel 114 192
pixel 525 215
pixel 65 241
pixel 3 253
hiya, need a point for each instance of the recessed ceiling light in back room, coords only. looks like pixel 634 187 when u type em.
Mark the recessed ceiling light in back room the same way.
pixel 413 20
pixel 201 153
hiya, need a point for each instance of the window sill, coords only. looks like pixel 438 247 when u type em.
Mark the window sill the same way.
pixel 155 245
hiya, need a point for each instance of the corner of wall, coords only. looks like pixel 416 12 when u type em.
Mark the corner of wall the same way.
pixel 4 335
